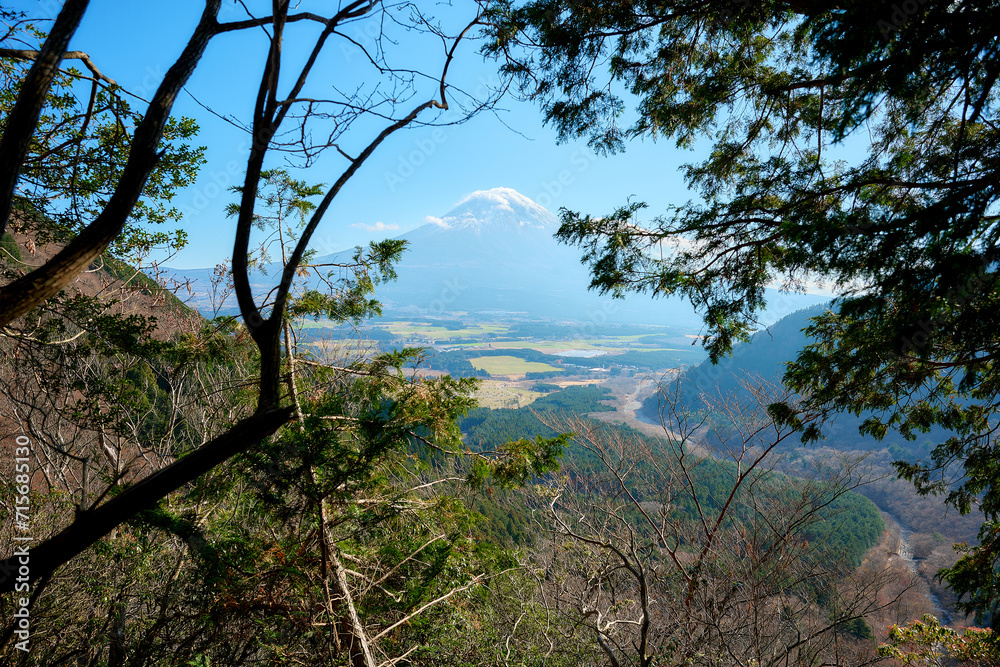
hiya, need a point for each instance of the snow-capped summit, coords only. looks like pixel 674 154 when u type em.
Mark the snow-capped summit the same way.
pixel 497 209
pixel 493 228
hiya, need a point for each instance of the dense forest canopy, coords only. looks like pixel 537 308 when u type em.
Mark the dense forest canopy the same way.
pixel 851 143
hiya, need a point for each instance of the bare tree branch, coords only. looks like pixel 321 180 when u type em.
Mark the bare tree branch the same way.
pixel 28 54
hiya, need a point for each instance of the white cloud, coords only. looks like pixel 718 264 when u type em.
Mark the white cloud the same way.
pixel 377 227
pixel 436 221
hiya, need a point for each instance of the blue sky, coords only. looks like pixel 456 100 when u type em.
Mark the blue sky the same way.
pixel 417 173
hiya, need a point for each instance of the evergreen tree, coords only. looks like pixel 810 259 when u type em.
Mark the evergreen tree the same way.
pixel 852 142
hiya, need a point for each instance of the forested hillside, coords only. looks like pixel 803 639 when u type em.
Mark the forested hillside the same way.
pixel 423 450
pixel 851 528
pixel 765 358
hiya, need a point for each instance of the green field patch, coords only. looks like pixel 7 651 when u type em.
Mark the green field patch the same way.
pixel 435 332
pixel 564 345
pixel 640 350
pixel 504 365
pixel 547 345
pixel 606 340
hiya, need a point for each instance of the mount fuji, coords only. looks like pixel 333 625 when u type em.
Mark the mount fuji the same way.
pixel 494 253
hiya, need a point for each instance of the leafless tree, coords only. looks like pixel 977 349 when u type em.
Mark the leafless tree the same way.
pixel 285 117
pixel 713 558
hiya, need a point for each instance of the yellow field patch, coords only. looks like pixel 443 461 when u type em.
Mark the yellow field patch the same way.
pixel 503 394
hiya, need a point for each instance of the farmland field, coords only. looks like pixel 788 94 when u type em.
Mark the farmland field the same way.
pixel 510 366
pixel 430 332
pixel 504 394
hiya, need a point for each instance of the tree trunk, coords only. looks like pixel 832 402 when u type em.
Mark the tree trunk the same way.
pixel 92 525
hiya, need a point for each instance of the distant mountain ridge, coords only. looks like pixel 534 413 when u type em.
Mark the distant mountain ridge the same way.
pixel 764 358
pixel 495 253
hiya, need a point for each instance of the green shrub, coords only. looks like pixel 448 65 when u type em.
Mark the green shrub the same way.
pixel 8 249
